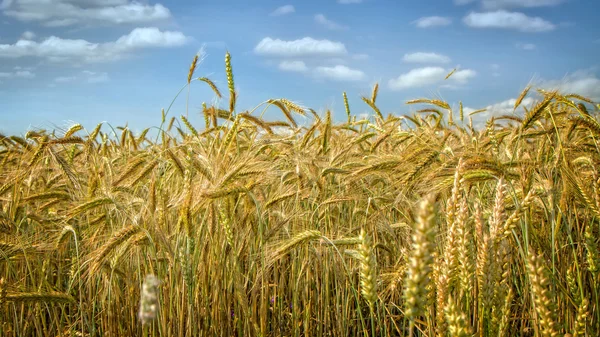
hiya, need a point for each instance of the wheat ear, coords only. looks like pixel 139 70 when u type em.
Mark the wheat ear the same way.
pixel 420 263
pixel 368 273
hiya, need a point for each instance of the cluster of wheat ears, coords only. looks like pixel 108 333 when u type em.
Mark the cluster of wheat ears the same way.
pixel 416 225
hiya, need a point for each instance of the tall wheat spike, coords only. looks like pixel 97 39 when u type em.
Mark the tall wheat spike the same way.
pixel 230 83
pixel 542 296
pixel 420 263
pixel 368 273
pixel 347 106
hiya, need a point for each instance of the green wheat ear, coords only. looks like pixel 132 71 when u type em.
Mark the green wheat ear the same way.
pixel 230 83
pixel 347 106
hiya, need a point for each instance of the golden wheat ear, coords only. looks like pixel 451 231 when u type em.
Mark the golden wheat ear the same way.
pixel 368 272
pixel 192 69
pixel 416 289
pixel 542 295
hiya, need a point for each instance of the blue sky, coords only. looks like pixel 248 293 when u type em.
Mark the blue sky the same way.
pixel 121 61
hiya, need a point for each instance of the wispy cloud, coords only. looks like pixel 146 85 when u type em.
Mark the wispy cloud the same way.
pixel 421 57
pixel 463 76
pixel 305 47
pixel 55 13
pixel 422 77
pixel 360 57
pixel 349 2
pixel 506 107
pixel 293 66
pixel 65 79
pixel 502 19
pixel 28 35
pixel 58 49
pixel 526 46
pixel 495 69
pixel 340 73
pixel 582 82
pixel 85 76
pixel 498 4
pixel 463 2
pixel 329 24
pixel 283 10
pixel 26 74
pixel 93 77
pixel 432 21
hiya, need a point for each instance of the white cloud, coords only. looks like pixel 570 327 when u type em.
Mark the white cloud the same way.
pixel 71 12
pixel 28 35
pixel 58 49
pixel 65 79
pixel 421 77
pixel 421 57
pixel 340 73
pixel 360 57
pixel 283 10
pixel 463 76
pixel 295 66
pixel 508 106
pixel 526 46
pixel 495 69
pixel 25 74
pixel 322 20
pixel 582 82
pixel 305 47
pixel 348 2
pixel 93 77
pixel 24 68
pixel 502 19
pixel 432 21
pixel 463 2
pixel 151 37
pixel 498 4
pixel 418 78
pixel 364 115
pixel 85 76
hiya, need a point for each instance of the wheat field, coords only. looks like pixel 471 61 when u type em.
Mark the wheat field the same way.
pixel 414 225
